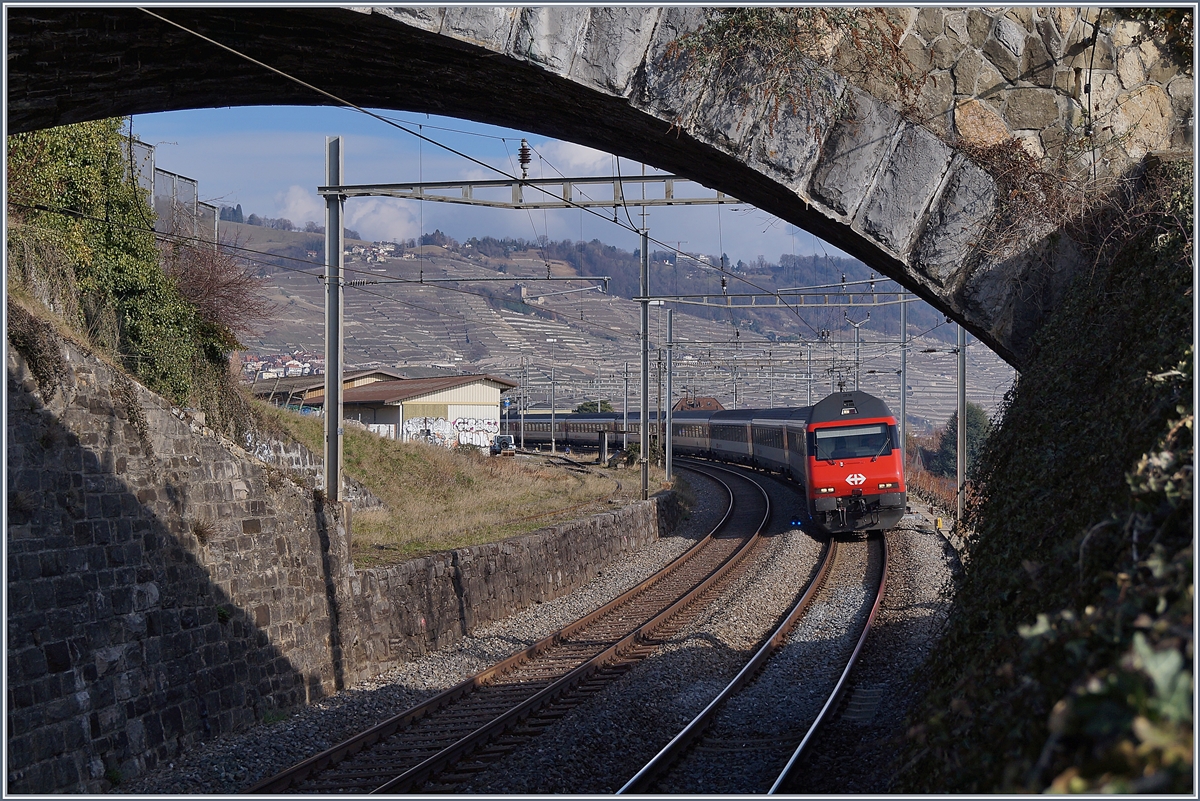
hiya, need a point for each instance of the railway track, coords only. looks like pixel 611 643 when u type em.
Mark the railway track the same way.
pixel 738 752
pixel 481 716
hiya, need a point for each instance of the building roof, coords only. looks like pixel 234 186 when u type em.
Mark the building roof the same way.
pixel 306 383
pixel 699 404
pixel 400 390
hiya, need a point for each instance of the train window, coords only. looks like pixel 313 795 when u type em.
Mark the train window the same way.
pixel 768 437
pixel 851 442
pixel 729 433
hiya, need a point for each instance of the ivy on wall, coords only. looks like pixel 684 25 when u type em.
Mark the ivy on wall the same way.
pixel 1067 661
pixel 78 215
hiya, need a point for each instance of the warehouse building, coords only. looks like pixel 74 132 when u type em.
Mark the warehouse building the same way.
pixel 446 410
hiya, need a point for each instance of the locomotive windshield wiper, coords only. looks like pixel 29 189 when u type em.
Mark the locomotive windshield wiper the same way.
pixel 881 447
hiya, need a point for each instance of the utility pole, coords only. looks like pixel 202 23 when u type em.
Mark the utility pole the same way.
pixel 553 403
pixel 962 417
pixel 625 413
pixel 903 385
pixel 770 383
pixel 645 400
pixel 670 393
pixel 334 270
pixel 658 435
pixel 810 375
pixel 523 377
pixel 856 326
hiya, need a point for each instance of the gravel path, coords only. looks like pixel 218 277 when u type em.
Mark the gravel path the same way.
pixel 230 763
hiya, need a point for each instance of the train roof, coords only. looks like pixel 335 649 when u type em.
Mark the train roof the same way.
pixel 848 406
pixel 800 413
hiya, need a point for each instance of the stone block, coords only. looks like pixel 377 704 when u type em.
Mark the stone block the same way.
pixel 966 72
pixel 955 223
pixel 979 26
pixel 906 185
pixel 1052 40
pixel 614 48
pixel 665 92
pixel 1142 120
pixel 1031 109
pixel 1037 67
pixel 1002 58
pixel 852 154
pixel 550 36
pixel 930 23
pixel 485 26
pixel 57 657
pixel 787 144
pixel 69 590
pixel 934 103
pixel 944 53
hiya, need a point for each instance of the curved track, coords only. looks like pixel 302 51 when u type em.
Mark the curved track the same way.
pixel 406 751
pixel 669 770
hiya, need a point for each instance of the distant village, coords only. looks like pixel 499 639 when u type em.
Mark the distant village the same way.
pixel 259 367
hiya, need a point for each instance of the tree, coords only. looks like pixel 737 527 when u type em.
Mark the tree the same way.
pixel 590 406
pixel 229 297
pixel 945 459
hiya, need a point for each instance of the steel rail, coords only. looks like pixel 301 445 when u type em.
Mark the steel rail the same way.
pixel 642 634
pixel 831 703
pixel 663 760
pixel 283 780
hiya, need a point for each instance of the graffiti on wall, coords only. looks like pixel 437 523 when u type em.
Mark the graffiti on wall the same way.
pixel 475 431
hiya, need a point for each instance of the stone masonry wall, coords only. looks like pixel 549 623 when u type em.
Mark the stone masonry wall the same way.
pixel 424 604
pixel 1034 73
pixel 165 587
pixel 162 587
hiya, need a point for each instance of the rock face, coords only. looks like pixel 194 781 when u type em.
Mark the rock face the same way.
pixel 165 586
pixel 1056 79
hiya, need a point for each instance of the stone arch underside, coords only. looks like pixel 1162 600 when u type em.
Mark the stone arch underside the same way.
pixel 881 188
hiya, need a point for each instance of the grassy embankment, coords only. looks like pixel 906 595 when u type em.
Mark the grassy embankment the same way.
pixel 440 499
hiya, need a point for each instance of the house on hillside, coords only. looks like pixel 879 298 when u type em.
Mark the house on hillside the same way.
pixel 443 410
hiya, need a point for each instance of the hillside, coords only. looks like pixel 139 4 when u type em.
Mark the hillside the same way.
pixel 589 338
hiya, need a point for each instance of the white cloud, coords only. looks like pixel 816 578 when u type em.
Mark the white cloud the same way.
pixel 377 219
pixel 300 206
pixel 573 160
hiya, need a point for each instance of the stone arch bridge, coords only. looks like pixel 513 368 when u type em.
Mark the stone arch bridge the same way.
pixel 887 188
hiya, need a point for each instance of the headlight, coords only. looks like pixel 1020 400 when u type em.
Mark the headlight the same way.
pixel 890 485
pixel 825 490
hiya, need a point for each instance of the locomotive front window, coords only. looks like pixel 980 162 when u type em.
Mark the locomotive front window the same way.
pixel 851 442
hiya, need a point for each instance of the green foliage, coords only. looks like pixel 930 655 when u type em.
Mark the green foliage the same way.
pixel 71 192
pixel 81 241
pixel 1079 539
pixel 588 407
pixel 945 459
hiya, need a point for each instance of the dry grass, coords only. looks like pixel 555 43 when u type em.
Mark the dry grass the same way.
pixel 440 499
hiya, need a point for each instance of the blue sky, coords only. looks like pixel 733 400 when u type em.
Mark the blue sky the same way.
pixel 270 159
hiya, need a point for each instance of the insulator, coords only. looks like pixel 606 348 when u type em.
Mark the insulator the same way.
pixel 524 156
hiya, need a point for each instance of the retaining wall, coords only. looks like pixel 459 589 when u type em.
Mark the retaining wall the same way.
pixel 165 587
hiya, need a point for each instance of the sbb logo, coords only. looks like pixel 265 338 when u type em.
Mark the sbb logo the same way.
pixel 854 479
